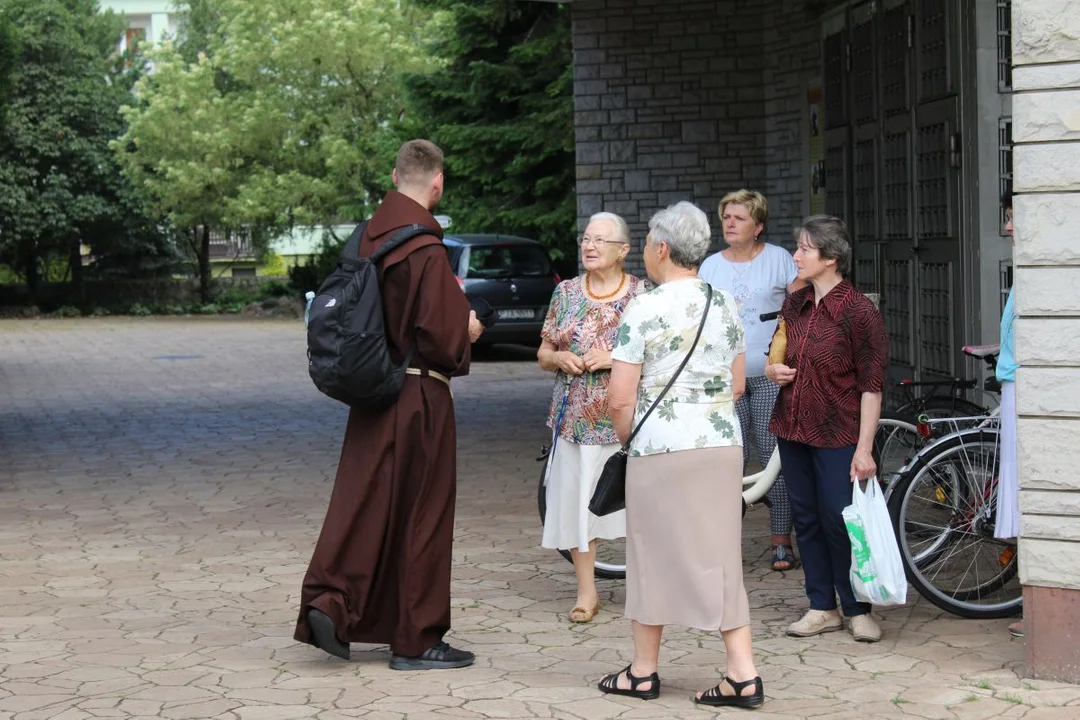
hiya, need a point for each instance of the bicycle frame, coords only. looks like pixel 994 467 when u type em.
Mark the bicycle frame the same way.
pixel 989 421
pixel 757 485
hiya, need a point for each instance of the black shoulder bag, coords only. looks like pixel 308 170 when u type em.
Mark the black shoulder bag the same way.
pixel 610 494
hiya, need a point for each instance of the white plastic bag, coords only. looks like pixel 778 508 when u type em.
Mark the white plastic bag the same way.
pixel 877 573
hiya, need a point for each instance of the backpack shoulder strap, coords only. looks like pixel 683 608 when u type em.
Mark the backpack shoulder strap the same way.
pixel 350 254
pixel 399 238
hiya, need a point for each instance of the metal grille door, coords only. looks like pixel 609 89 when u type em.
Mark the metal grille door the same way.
pixel 890 80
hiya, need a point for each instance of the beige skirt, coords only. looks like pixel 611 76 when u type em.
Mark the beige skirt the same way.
pixel 684 539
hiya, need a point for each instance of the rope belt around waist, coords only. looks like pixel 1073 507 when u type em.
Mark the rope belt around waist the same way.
pixel 437 375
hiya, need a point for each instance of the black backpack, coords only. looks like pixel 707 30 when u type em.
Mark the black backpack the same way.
pixel 348 353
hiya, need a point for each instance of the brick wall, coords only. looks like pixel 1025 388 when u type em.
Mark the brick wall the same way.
pixel 688 100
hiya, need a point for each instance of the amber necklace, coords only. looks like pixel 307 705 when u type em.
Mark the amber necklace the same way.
pixel 613 293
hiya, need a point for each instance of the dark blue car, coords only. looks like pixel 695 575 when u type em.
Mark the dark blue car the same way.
pixel 513 274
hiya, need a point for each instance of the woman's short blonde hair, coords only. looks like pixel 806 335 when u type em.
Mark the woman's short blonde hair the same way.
pixel 754 202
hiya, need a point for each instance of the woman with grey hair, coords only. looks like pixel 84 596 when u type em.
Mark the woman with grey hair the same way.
pixel 681 349
pixel 825 417
pixel 577 339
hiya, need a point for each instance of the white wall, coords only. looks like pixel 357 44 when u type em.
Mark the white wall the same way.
pixel 154 16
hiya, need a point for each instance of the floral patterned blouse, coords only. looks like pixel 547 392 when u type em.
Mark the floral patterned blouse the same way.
pixel 656 332
pixel 578 323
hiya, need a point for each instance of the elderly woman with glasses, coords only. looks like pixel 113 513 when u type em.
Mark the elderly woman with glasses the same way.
pixel 825 418
pixel 684 473
pixel 578 336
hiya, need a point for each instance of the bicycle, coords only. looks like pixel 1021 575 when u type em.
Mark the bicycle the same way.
pixel 943 507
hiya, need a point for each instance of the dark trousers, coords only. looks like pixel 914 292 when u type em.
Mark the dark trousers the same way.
pixel 819 485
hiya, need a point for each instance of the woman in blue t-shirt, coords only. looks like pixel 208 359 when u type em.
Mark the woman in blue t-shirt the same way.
pixel 759 276
pixel 1007 524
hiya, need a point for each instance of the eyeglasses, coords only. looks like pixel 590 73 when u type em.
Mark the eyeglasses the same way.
pixel 584 240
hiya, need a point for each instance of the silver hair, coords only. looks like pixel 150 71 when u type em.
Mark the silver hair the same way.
pixel 622 230
pixel 831 238
pixel 685 229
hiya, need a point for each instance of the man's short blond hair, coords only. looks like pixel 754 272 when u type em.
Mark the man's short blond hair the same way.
pixel 418 161
pixel 754 202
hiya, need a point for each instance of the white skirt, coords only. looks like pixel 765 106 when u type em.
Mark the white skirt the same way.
pixel 572 473
pixel 1007 524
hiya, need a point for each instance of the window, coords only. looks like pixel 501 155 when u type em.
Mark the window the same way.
pixel 1004 45
pixel 453 254
pixel 1005 164
pixel 504 261
pixel 243 272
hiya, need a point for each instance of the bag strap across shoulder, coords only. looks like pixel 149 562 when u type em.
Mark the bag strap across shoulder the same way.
pixel 350 254
pixel 656 402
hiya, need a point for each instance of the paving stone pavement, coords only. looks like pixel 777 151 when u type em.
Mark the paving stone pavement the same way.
pixel 162 483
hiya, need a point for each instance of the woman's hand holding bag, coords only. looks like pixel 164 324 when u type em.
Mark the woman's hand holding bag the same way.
pixel 877 572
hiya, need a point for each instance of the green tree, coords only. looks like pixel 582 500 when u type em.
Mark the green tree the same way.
pixel 269 114
pixel 501 107
pixel 9 57
pixel 60 186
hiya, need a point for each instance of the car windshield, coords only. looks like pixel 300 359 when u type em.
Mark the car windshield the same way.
pixel 500 261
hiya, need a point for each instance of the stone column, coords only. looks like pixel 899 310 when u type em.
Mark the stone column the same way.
pixel 1046 130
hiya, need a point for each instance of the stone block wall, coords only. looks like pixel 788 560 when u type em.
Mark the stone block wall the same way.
pixel 688 100
pixel 1046 130
pixel 791 46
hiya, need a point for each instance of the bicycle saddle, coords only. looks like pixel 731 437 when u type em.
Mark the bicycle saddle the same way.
pixel 981 351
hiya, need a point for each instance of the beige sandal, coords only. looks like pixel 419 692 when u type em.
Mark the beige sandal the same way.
pixel 581 615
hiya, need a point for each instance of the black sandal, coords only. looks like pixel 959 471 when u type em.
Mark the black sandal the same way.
pixel 715 697
pixel 610 684
pixel 784 554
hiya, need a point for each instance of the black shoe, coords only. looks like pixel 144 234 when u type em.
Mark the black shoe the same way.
pixel 716 698
pixel 440 657
pixel 324 634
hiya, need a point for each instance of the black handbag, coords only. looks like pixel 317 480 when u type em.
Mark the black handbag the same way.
pixel 610 493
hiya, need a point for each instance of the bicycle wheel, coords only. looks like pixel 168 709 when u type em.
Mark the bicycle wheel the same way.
pixel 943 510
pixel 610 554
pixel 896 442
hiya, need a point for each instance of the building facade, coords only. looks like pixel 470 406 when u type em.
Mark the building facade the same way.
pixel 148 20
pixel 908 118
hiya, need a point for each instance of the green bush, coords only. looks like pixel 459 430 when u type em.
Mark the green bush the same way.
pixel 233 308
pixel 100 312
pixel 167 309
pixel 236 295
pixel 67 311
pixel 139 310
pixel 211 309
pixel 276 288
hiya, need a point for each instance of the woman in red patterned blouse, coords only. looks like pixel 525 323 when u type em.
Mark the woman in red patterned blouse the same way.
pixel 825 418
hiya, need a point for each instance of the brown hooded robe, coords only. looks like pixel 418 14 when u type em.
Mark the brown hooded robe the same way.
pixel 381 567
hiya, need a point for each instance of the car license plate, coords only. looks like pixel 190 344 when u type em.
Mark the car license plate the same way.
pixel 515 314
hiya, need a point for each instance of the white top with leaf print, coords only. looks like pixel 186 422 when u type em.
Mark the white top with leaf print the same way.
pixel 656 332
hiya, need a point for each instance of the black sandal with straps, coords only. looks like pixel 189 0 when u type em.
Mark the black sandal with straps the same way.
pixel 610 684
pixel 715 697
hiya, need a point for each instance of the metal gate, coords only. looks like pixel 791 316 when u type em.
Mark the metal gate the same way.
pixel 892 170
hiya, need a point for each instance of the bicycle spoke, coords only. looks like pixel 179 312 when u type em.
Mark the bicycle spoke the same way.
pixel 945 520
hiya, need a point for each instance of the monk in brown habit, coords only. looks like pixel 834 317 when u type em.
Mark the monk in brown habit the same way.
pixel 380 572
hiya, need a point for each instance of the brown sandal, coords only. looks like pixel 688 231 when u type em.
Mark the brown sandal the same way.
pixel 583 615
